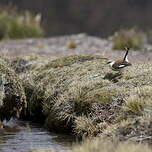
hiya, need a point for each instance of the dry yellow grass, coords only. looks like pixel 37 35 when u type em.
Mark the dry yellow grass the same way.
pixel 139 100
pixel 103 145
pixel 75 94
pixel 12 96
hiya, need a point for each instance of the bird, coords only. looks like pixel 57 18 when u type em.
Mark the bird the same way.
pixel 121 63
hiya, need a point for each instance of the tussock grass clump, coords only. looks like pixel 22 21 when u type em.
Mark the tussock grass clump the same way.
pixel 86 126
pixel 71 45
pixel 139 100
pixel 131 38
pixel 15 25
pixel 12 97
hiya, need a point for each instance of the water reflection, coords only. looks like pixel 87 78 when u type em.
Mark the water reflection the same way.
pixel 21 136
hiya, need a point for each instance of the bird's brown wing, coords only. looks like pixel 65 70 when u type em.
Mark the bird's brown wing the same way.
pixel 120 64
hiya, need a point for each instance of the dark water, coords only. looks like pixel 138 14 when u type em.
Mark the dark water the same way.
pixel 21 136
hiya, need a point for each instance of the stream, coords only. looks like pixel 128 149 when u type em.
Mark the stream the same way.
pixel 23 136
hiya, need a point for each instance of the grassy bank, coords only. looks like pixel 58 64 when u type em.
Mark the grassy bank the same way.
pixel 102 145
pixel 80 94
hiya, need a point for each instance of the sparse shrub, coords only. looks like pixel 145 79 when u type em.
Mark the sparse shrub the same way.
pixel 71 45
pixel 129 38
pixel 15 25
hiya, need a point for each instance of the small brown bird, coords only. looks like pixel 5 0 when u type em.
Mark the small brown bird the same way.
pixel 119 64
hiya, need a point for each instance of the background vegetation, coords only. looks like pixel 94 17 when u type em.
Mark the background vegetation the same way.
pixel 14 25
pixel 131 38
pixel 100 18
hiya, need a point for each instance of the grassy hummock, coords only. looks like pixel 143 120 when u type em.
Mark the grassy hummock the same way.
pixel 82 95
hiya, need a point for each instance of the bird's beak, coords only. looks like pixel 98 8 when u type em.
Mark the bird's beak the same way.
pixel 127 48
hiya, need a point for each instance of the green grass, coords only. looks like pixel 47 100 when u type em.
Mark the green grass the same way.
pixel 15 25
pixel 129 38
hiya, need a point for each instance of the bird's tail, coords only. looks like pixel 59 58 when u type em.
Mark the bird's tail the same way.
pixel 127 50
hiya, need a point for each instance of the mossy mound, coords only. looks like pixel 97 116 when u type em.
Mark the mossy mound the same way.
pixel 12 97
